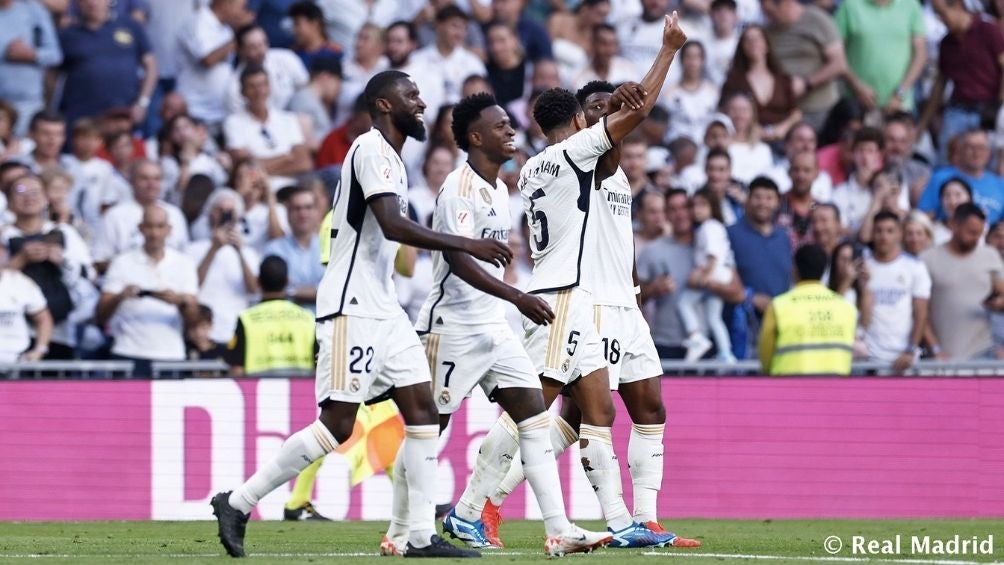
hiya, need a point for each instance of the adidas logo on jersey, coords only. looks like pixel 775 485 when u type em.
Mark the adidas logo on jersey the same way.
pixel 491 213
pixel 439 320
pixel 354 302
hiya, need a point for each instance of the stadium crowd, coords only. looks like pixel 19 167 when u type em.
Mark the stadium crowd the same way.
pixel 152 153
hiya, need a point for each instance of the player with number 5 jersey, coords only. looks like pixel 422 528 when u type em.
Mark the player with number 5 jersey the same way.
pixel 556 186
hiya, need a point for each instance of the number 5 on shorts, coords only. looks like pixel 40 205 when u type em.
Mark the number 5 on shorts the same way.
pixel 573 342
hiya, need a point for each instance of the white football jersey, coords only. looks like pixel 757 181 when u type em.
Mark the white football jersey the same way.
pixel 555 185
pixel 468 206
pixel 358 279
pixel 608 264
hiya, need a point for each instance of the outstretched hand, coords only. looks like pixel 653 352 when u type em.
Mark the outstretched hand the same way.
pixel 535 308
pixel 673 35
pixel 490 250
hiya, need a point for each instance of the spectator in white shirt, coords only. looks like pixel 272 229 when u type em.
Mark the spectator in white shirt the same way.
pixel 55 257
pixel 367 60
pixel 605 63
pixel 272 136
pixel 691 102
pixel 750 156
pixel 227 267
pixel 286 73
pixel 120 225
pixel 206 48
pixel 641 36
pixel 21 300
pixel 449 54
pixel 721 42
pixel 801 138
pixel 148 294
pixel 854 197
pixel 900 287
pixel 189 151
pixel 97 186
pixel 47 131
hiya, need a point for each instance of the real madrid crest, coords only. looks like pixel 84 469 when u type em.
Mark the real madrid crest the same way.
pixel 354 385
pixel 566 364
pixel 444 397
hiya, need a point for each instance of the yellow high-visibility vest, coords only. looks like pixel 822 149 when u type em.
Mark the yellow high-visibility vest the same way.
pixel 325 237
pixel 815 332
pixel 278 336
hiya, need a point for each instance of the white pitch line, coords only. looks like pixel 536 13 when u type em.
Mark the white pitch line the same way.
pixel 831 559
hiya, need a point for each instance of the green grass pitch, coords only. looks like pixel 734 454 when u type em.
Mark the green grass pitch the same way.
pixel 725 541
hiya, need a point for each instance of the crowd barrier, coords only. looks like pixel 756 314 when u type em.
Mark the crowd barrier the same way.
pixel 736 447
pixel 188 369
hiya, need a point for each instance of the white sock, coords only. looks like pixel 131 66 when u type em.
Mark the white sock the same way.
pixel 645 461
pixel 299 450
pixel 496 454
pixel 562 436
pixel 541 470
pixel 604 473
pixel 420 459
pixel 399 505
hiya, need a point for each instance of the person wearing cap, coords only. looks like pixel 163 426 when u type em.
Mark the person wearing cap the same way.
pixel 319 96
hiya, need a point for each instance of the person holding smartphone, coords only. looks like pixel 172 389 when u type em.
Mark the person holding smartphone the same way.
pixel 148 295
pixel 227 265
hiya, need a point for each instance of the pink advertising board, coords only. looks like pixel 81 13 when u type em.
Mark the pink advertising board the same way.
pixel 735 448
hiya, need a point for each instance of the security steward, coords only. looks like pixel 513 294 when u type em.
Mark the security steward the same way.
pixel 275 335
pixel 808 330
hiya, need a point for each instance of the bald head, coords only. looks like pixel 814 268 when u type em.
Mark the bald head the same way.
pixel 155 228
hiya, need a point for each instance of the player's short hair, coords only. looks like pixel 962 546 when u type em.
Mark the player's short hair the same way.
pixel 273 274
pixel 308 10
pixel 968 210
pixel 717 152
pixel 45 116
pixel 868 135
pixel 827 206
pixel 408 27
pixel 241 36
pixel 590 88
pixel 326 64
pixel 554 108
pixel 86 126
pixel 250 71
pixel 378 87
pixel 467 112
pixel 450 11
pixel 810 262
pixel 764 183
pixel 677 192
pixel 884 216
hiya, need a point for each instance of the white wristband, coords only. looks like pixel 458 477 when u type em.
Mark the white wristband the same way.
pixel 637 290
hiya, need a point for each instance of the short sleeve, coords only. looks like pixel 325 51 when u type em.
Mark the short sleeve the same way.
pixel 115 281
pixel 142 40
pixel 34 300
pixel 232 132
pixel 455 215
pixel 374 172
pixel 646 265
pixel 994 264
pixel 840 18
pixel 585 146
pixel 198 40
pixel 717 240
pixel 921 281
pixel 917 26
pixel 827 30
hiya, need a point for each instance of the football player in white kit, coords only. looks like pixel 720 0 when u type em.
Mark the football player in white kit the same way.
pixel 368 349
pixel 467 339
pixel 632 361
pixel 557 186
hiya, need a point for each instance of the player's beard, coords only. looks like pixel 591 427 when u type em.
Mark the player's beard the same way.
pixel 408 124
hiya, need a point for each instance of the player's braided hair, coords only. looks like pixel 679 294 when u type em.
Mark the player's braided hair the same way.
pixel 466 112
pixel 555 107
pixel 592 87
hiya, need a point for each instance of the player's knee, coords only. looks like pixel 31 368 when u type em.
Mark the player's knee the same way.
pixel 341 429
pixel 600 414
pixel 651 411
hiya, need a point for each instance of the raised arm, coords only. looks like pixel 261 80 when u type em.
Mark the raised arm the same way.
pixel 627 118
pixel 399 228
